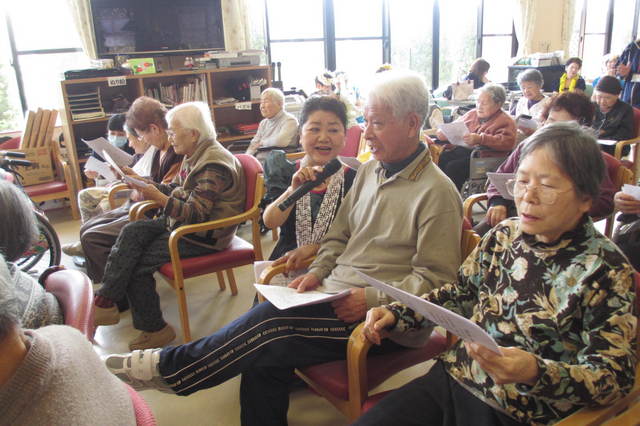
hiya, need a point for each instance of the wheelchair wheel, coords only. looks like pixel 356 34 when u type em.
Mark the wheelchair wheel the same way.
pixel 45 252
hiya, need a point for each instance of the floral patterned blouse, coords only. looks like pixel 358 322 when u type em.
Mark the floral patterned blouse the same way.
pixel 570 303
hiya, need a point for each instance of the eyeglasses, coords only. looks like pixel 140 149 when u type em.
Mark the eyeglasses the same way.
pixel 545 195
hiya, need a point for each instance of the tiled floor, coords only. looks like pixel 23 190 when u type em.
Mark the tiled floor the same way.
pixel 209 308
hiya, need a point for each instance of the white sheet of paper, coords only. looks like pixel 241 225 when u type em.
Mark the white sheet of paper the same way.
pixel 285 297
pixel 632 190
pixel 351 162
pixel 527 123
pixel 100 167
pixel 127 179
pixel 499 180
pixel 260 266
pixel 458 325
pixel 101 145
pixel 607 142
pixel 454 132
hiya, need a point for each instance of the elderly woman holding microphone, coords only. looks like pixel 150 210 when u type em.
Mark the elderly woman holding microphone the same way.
pixel 555 294
pixel 209 186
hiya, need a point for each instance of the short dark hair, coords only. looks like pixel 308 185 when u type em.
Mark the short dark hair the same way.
pixel 575 103
pixel 116 122
pixel 575 150
pixel 324 103
pixel 479 67
pixel 144 112
pixel 18 229
pixel 575 60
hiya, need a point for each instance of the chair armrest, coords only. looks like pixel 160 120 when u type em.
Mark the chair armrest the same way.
pixel 295 155
pixel 621 144
pixel 137 211
pixel 467 206
pixel 74 292
pixel 357 350
pixel 119 187
pixel 268 274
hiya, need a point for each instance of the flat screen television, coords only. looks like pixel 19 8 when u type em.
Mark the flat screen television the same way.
pixel 134 27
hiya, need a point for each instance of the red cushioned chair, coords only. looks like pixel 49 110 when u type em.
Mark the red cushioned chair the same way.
pixel 346 383
pixel 352 141
pixel 632 163
pixel 74 292
pixel 144 415
pixel 239 252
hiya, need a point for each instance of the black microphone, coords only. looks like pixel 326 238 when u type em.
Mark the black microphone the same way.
pixel 329 169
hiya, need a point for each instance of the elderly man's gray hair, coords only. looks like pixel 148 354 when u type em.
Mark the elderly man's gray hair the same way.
pixel 404 92
pixel 18 228
pixel 531 75
pixel 274 94
pixel 575 151
pixel 194 116
pixel 496 91
pixel 9 313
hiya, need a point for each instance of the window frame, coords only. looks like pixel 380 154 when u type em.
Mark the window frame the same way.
pixel 608 30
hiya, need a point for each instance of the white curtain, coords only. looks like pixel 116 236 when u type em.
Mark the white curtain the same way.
pixel 568 14
pixel 525 15
pixel 81 12
pixel 235 19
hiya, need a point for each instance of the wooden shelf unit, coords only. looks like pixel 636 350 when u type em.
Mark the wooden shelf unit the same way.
pixel 219 83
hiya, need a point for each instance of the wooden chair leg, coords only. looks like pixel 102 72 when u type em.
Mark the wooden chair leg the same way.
pixel 221 280
pixel 232 282
pixel 184 314
pixel 75 211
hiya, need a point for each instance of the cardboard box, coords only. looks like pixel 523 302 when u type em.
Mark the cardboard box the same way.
pixel 41 171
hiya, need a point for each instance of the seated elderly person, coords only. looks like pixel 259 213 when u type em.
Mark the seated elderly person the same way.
pixel 279 129
pixel 416 248
pixel 488 126
pixel 209 186
pixel 609 67
pixel 568 106
pixel 627 233
pixel 532 102
pixel 571 81
pixel 18 233
pixel 556 295
pixel 52 375
pixel 614 118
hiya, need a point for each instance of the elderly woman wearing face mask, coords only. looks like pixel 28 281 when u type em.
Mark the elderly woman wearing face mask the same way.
pixel 555 294
pixel 278 129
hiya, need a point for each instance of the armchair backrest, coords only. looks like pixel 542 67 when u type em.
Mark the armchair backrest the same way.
pixel 252 168
pixel 74 292
pixel 636 121
pixel 352 141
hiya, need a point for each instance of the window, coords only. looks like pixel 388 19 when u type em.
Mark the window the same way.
pixel 458 30
pixel 41 56
pixel 498 38
pixel 624 12
pixel 9 96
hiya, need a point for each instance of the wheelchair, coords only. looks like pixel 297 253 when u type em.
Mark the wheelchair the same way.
pixel 482 160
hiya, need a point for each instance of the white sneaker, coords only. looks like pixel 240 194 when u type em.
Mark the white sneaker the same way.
pixel 138 369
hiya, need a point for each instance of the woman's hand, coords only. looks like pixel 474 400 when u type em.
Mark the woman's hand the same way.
pixel 512 366
pixel 306 282
pixel 91 174
pixel 378 321
pixel 496 214
pixel 303 175
pixel 626 203
pixel 294 259
pixel 472 139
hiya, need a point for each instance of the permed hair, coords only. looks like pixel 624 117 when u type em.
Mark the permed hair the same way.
pixel 404 92
pixel 274 94
pixel 531 75
pixel 144 112
pixel 194 116
pixel 324 103
pixel 9 312
pixel 18 229
pixel 575 103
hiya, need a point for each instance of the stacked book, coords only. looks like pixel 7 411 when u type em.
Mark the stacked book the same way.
pixel 192 89
pixel 85 106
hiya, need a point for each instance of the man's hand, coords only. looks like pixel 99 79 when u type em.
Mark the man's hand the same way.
pixel 294 259
pixel 378 321
pixel 626 203
pixel 305 282
pixel 496 214
pixel 513 366
pixel 351 308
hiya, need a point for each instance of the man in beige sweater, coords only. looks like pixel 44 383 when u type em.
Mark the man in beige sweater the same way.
pixel 400 223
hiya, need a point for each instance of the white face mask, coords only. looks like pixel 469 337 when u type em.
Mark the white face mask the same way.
pixel 119 141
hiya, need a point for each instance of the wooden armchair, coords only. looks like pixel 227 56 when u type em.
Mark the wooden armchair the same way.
pixel 239 252
pixel 114 201
pixel 346 383
pixel 632 163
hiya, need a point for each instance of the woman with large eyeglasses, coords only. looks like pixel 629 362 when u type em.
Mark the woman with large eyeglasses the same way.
pixel 568 106
pixel 555 294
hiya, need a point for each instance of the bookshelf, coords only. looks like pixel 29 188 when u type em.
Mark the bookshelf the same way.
pixel 89 102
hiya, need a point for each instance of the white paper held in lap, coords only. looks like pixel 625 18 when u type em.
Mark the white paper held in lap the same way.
pixel 285 297
pixel 101 145
pixel 456 324
pixel 100 167
pixel 127 179
pixel 499 180
pixel 455 132
pixel 632 190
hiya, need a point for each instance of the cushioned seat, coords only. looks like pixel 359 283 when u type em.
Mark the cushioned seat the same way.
pixel 45 188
